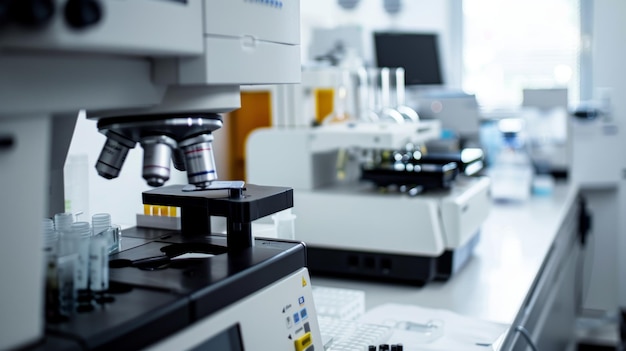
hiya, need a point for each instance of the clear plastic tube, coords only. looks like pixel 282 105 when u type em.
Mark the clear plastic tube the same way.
pixel 101 224
pixel 81 231
pixel 50 238
pixel 62 280
pixel 98 262
pixel 63 222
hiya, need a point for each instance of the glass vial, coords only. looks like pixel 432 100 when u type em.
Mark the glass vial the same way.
pixel 81 231
pixel 63 222
pixel 99 262
pixel 101 224
pixel 52 299
pixel 66 265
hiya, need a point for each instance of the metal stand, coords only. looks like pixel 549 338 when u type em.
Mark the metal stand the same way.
pixel 238 203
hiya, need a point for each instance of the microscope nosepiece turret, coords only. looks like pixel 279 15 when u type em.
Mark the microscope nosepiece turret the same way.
pixel 184 140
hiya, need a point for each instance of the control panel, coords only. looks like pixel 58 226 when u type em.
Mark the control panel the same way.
pixel 280 317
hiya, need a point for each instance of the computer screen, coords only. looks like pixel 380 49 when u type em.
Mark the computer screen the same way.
pixel 417 53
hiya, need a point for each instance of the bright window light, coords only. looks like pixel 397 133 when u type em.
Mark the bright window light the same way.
pixel 510 45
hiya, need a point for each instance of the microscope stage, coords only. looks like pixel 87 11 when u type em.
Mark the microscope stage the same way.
pixel 256 202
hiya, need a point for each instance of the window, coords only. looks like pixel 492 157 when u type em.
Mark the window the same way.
pixel 509 45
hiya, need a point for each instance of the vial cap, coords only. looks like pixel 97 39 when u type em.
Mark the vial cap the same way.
pixel 82 229
pixel 100 222
pixel 63 221
pixel 47 230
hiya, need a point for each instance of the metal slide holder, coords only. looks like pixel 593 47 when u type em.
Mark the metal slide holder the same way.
pixel 240 204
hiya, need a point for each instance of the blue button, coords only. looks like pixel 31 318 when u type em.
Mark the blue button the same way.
pixel 303 313
pixel 301 300
pixel 296 317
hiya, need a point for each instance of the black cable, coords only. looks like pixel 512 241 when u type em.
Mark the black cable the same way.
pixel 526 336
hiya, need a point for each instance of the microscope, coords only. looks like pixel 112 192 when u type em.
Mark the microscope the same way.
pixel 154 74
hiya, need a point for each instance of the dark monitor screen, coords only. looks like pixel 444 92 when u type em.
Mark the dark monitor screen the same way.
pixel 227 340
pixel 417 53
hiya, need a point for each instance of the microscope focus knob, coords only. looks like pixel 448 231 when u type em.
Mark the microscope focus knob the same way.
pixel 32 13
pixel 82 13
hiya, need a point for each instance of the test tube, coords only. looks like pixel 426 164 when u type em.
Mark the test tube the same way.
pixel 63 222
pixel 99 263
pixel 50 236
pixel 63 281
pixel 52 301
pixel 101 223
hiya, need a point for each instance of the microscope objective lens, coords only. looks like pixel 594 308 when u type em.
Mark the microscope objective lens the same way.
pixel 156 159
pixel 199 159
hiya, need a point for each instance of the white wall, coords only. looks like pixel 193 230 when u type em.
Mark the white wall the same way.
pixel 419 15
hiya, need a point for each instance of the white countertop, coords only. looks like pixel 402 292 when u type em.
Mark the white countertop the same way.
pixel 515 240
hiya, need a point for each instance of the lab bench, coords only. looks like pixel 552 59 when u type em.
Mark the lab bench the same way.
pixel 525 273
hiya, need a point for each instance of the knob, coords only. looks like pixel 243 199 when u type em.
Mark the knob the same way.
pixel 82 13
pixel 32 13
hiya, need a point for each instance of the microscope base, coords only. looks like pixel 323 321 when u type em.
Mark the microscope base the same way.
pixel 164 296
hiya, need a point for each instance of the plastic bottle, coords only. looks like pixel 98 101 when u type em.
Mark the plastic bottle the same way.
pixel 63 222
pixel 76 183
pixel 52 299
pixel 81 235
pixel 101 222
pixel 99 262
pixel 66 265
pixel 50 237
